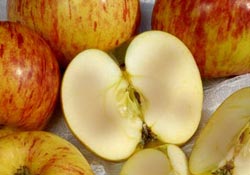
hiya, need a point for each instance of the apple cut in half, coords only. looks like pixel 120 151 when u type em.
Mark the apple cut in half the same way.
pixel 164 160
pixel 223 146
pixel 157 95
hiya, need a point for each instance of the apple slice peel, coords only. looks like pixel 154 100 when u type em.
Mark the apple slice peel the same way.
pixel 106 107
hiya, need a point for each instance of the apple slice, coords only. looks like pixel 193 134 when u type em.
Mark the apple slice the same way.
pixel 157 96
pixel 223 145
pixel 167 159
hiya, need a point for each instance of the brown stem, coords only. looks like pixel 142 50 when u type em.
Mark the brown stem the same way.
pixel 23 170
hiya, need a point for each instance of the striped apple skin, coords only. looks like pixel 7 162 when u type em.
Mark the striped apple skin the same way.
pixel 216 32
pixel 30 78
pixel 75 25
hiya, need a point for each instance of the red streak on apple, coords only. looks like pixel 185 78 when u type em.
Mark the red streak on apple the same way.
pixel 1 50
pixel 125 11
pixel 70 13
pixel 32 147
pixel 95 25
pixel 104 6
pixel 48 165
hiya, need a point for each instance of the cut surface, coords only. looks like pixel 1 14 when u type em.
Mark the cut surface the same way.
pixel 147 162
pixel 96 106
pixel 164 71
pixel 164 160
pixel 221 142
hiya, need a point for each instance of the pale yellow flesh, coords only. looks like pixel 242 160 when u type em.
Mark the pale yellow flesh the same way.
pixel 215 142
pixel 147 162
pixel 42 153
pixel 100 112
pixel 165 72
pixel 167 160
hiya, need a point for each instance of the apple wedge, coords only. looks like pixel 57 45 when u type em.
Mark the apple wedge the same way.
pixel 222 147
pixel 157 96
pixel 165 160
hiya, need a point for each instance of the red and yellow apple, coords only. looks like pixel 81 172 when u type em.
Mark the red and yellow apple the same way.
pixel 40 152
pixel 30 78
pixel 72 26
pixel 216 32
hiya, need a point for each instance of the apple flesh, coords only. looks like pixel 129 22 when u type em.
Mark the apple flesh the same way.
pixel 157 96
pixel 75 25
pixel 40 152
pixel 216 32
pixel 30 78
pixel 223 145
pixel 164 160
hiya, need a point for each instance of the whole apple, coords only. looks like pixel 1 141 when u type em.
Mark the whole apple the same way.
pixel 216 32
pixel 29 78
pixel 40 153
pixel 72 26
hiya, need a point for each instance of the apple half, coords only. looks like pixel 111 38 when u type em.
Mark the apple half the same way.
pixel 165 160
pixel 222 147
pixel 156 96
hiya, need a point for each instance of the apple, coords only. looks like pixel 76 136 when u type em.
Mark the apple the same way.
pixel 223 145
pixel 40 152
pixel 76 25
pixel 164 160
pixel 30 78
pixel 156 96
pixel 216 32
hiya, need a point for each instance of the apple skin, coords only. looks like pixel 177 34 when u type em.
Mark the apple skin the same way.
pixel 41 152
pixel 30 78
pixel 73 26
pixel 216 32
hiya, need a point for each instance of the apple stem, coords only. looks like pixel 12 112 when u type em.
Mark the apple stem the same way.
pixel 23 170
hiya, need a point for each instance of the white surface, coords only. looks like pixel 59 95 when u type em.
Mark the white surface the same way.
pixel 3 15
